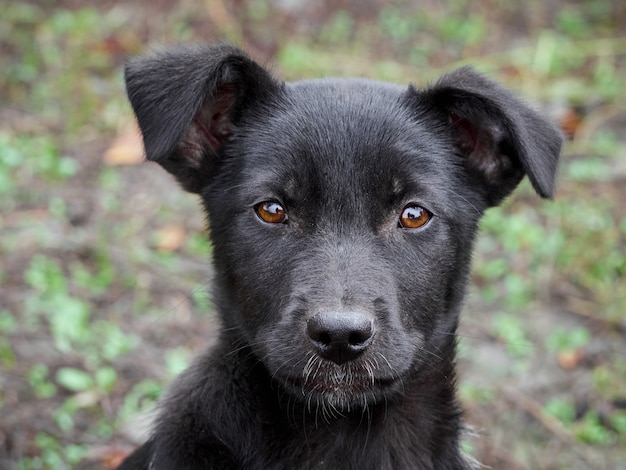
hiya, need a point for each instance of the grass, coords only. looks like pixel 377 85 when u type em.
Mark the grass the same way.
pixel 98 313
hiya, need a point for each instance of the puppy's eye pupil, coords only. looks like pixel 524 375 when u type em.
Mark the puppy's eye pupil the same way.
pixel 414 216
pixel 271 212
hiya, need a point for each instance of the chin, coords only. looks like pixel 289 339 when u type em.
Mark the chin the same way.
pixel 337 390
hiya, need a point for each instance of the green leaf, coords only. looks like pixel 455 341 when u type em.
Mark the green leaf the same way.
pixel 560 409
pixel 106 377
pixel 73 379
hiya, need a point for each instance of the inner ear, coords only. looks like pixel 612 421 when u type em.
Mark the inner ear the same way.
pixel 194 160
pixel 487 153
pixel 212 124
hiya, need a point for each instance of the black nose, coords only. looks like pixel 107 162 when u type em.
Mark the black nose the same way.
pixel 340 336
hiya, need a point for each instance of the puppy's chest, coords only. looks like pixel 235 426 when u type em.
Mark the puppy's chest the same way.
pixel 349 448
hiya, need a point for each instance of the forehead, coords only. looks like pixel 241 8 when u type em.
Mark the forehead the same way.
pixel 334 136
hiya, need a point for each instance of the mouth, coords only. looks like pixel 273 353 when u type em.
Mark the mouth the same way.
pixel 342 387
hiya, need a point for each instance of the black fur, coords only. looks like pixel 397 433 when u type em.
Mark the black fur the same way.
pixel 282 388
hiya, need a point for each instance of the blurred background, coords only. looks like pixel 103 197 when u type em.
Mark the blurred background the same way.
pixel 104 261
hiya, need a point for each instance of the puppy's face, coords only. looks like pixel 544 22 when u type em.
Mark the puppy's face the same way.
pixel 342 211
pixel 342 202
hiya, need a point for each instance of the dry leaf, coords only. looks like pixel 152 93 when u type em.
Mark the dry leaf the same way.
pixel 114 458
pixel 170 238
pixel 571 358
pixel 126 149
pixel 570 122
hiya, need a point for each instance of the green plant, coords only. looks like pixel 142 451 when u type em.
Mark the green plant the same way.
pixel 8 323
pixel 199 246
pixel 73 329
pixel 510 330
pixel 96 279
pixel 140 398
pixel 339 29
pixel 591 431
pixel 618 422
pixel 38 378
pixel 53 455
pixel 471 393
pixel 176 361
pixel 560 340
pixel 561 409
pixel 396 25
pixel 588 428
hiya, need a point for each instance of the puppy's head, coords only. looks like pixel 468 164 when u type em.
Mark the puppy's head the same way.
pixel 342 211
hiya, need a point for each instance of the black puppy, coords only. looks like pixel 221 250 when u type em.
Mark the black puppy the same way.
pixel 342 214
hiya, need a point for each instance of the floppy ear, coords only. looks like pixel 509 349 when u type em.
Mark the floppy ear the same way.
pixel 188 102
pixel 499 136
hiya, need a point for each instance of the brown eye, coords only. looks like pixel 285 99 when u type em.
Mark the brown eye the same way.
pixel 271 212
pixel 414 216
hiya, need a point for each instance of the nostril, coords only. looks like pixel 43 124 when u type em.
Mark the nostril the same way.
pixel 340 336
pixel 318 332
pixel 357 338
pixel 324 338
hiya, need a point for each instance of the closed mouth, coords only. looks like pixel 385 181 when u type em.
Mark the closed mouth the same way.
pixel 331 384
